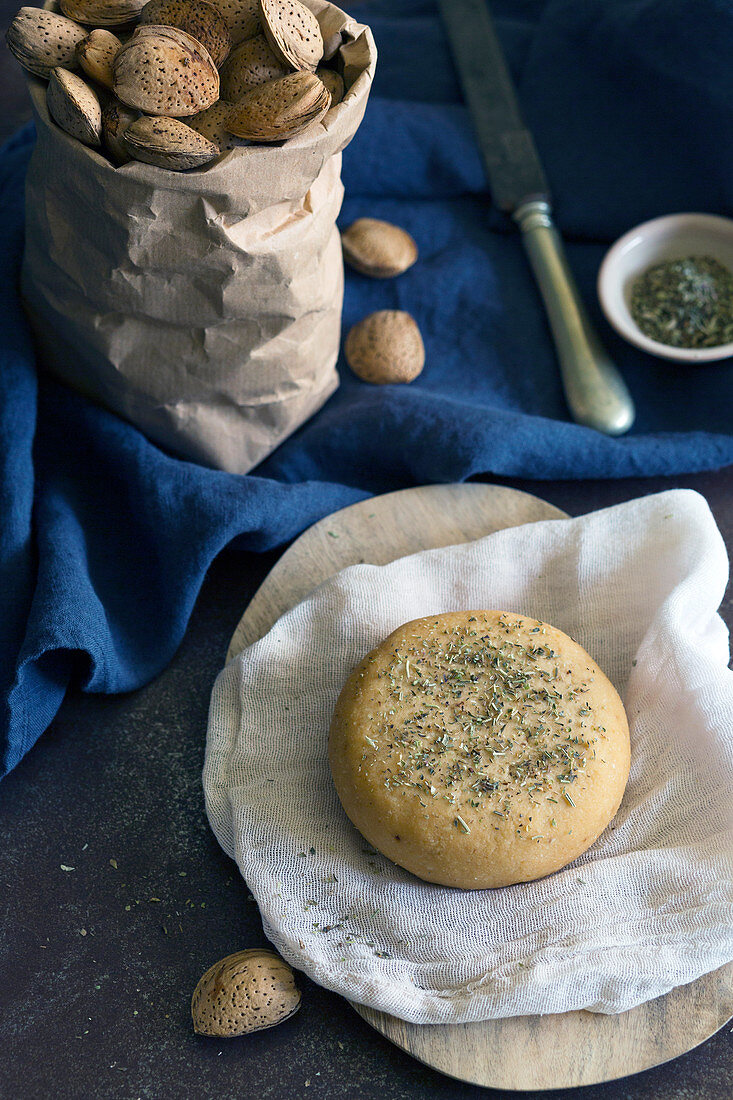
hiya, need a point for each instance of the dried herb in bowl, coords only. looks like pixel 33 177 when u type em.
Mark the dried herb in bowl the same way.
pixel 687 303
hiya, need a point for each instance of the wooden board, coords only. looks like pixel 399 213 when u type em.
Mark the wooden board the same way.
pixel 526 1052
pixel 378 531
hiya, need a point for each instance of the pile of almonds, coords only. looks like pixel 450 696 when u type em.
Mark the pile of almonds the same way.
pixel 178 82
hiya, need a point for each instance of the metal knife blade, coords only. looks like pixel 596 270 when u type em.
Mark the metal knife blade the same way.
pixel 507 146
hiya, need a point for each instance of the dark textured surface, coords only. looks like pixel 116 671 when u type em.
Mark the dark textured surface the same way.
pixel 98 963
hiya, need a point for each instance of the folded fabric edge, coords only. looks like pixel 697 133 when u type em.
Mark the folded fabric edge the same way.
pixel 488 1001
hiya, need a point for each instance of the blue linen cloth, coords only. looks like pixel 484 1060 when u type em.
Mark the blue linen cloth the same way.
pixel 105 539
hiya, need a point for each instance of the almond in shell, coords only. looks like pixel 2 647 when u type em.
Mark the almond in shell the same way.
pixel 334 82
pixel 115 120
pixel 245 992
pixel 212 124
pixel 293 33
pixel 280 109
pixel 168 143
pixel 199 18
pixel 102 13
pixel 164 71
pixel 249 64
pixel 74 106
pixel 242 17
pixel 378 248
pixel 385 347
pixel 96 53
pixel 42 41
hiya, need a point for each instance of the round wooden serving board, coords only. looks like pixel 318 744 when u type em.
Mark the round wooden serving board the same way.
pixel 525 1052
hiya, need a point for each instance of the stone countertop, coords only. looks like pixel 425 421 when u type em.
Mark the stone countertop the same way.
pixel 116 898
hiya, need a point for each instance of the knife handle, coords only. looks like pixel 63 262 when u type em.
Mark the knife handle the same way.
pixel 595 391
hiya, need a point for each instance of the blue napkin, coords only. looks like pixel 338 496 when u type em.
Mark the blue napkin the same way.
pixel 105 539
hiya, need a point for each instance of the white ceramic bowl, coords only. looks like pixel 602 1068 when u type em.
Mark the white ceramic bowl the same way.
pixel 669 238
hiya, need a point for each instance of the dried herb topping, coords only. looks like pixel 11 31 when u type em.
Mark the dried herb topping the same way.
pixel 476 714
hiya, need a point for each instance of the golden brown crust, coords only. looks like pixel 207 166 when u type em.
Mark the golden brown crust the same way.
pixel 479 748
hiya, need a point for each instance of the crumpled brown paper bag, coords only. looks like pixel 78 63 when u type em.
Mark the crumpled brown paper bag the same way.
pixel 205 306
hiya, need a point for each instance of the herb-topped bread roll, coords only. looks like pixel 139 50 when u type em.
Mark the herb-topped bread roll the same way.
pixel 479 749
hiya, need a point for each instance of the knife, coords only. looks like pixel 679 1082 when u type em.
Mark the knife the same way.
pixel 595 391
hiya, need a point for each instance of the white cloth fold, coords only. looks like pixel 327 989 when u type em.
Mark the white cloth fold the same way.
pixel 647 908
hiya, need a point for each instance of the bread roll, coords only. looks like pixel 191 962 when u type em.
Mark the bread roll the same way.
pixel 479 749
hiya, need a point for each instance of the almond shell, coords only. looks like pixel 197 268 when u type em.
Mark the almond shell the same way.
pixel 293 33
pixel 385 347
pixel 334 82
pixel 212 124
pixel 164 71
pixel 378 248
pixel 75 106
pixel 202 20
pixel 249 64
pixel 116 117
pixel 245 992
pixel 280 109
pixel 102 13
pixel 42 40
pixel 168 143
pixel 242 17
pixel 96 54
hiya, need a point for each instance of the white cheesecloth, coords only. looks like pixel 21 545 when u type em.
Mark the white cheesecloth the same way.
pixel 647 908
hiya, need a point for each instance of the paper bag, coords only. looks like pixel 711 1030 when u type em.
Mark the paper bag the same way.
pixel 202 306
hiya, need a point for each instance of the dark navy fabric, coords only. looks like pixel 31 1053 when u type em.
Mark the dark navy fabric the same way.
pixel 105 539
